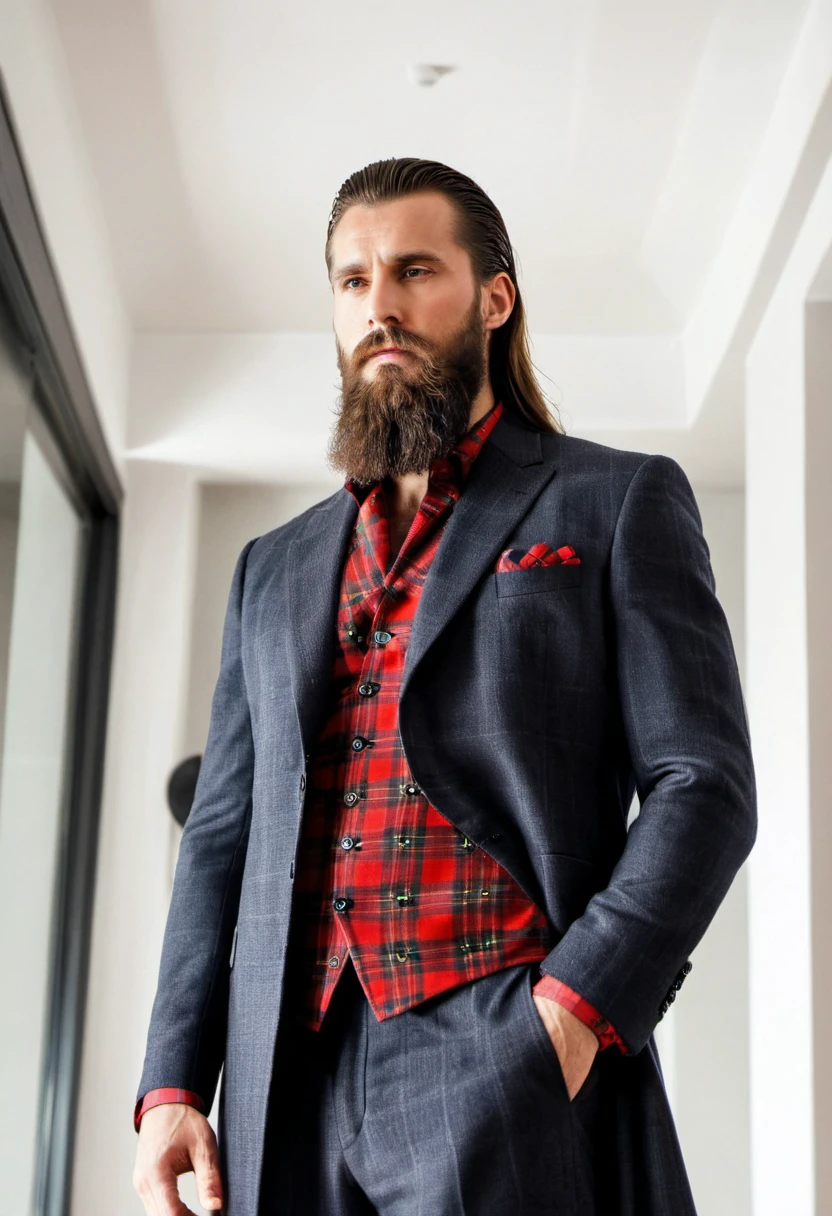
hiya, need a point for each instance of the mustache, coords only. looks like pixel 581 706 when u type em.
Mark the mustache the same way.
pixel 392 336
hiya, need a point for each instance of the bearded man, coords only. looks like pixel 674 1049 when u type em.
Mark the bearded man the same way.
pixel 412 919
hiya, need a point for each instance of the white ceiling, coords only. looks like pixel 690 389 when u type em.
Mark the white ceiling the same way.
pixel 615 137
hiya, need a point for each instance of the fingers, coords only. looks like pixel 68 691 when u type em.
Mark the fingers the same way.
pixel 160 1196
pixel 166 1195
pixel 173 1140
pixel 207 1174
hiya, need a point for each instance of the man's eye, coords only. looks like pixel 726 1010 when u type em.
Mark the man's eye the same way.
pixel 414 270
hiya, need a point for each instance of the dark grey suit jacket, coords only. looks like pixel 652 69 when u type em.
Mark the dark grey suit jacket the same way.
pixel 533 705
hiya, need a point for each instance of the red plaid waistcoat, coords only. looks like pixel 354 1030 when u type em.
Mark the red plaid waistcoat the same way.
pixel 381 875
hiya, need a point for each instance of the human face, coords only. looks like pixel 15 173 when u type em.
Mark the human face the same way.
pixel 400 280
pixel 397 263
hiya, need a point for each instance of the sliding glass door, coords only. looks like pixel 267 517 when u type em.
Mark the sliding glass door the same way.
pixel 60 497
pixel 42 554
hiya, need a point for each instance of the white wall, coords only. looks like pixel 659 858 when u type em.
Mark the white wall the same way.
pixel 818 356
pixel 709 1037
pixel 37 80
pixel 787 618
pixel 9 495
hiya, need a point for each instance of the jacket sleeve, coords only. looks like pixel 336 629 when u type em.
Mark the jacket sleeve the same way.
pixel 186 1039
pixel 686 728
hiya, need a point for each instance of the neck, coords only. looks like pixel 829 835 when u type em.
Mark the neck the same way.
pixel 481 404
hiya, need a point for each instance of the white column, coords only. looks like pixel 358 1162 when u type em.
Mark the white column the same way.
pixel 819 623
pixel 789 509
pixel 709 1021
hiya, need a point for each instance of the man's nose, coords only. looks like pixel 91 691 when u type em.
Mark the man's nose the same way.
pixel 384 303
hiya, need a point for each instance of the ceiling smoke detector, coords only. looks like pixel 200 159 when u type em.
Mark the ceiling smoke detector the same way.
pixel 427 74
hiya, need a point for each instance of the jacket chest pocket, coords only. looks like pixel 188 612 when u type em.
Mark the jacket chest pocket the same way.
pixel 536 580
pixel 543 618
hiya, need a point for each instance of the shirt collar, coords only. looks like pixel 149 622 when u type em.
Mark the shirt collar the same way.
pixel 453 468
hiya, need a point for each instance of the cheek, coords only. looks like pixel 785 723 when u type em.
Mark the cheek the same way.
pixel 346 340
pixel 442 317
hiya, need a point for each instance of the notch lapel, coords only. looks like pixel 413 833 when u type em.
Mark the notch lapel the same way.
pixel 504 480
pixel 314 565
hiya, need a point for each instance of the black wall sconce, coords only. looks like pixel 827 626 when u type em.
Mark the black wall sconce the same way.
pixel 181 788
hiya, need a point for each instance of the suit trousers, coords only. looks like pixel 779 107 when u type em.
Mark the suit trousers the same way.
pixel 454 1107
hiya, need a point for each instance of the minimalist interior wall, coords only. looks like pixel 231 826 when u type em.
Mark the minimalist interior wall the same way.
pixel 818 379
pixel 9 495
pixel 710 1018
pixel 788 513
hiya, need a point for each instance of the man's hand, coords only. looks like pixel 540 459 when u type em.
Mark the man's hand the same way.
pixel 573 1041
pixel 175 1139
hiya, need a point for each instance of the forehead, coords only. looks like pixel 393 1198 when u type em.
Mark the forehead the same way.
pixel 418 221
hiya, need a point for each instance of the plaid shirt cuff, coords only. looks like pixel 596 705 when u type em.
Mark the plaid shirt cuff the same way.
pixel 159 1097
pixel 556 990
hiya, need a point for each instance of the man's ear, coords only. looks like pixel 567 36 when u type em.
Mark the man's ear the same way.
pixel 501 294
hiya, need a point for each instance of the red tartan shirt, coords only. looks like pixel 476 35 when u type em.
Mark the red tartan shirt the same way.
pixel 382 875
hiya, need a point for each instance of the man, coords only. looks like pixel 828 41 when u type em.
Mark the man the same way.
pixel 408 916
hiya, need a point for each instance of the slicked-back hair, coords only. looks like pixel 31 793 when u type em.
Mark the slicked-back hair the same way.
pixel 480 230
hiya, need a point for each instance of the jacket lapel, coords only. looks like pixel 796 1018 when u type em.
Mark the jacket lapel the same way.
pixel 314 565
pixel 504 480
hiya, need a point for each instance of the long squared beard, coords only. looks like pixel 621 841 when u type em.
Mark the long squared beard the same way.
pixel 406 417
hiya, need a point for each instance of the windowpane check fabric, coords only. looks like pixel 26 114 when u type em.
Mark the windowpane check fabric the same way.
pixel 381 874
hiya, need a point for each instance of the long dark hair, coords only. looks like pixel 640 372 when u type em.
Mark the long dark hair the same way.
pixel 480 230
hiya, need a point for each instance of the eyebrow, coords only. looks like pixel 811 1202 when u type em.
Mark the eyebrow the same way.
pixel 400 259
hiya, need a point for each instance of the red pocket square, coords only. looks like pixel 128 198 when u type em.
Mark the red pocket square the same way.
pixel 540 554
